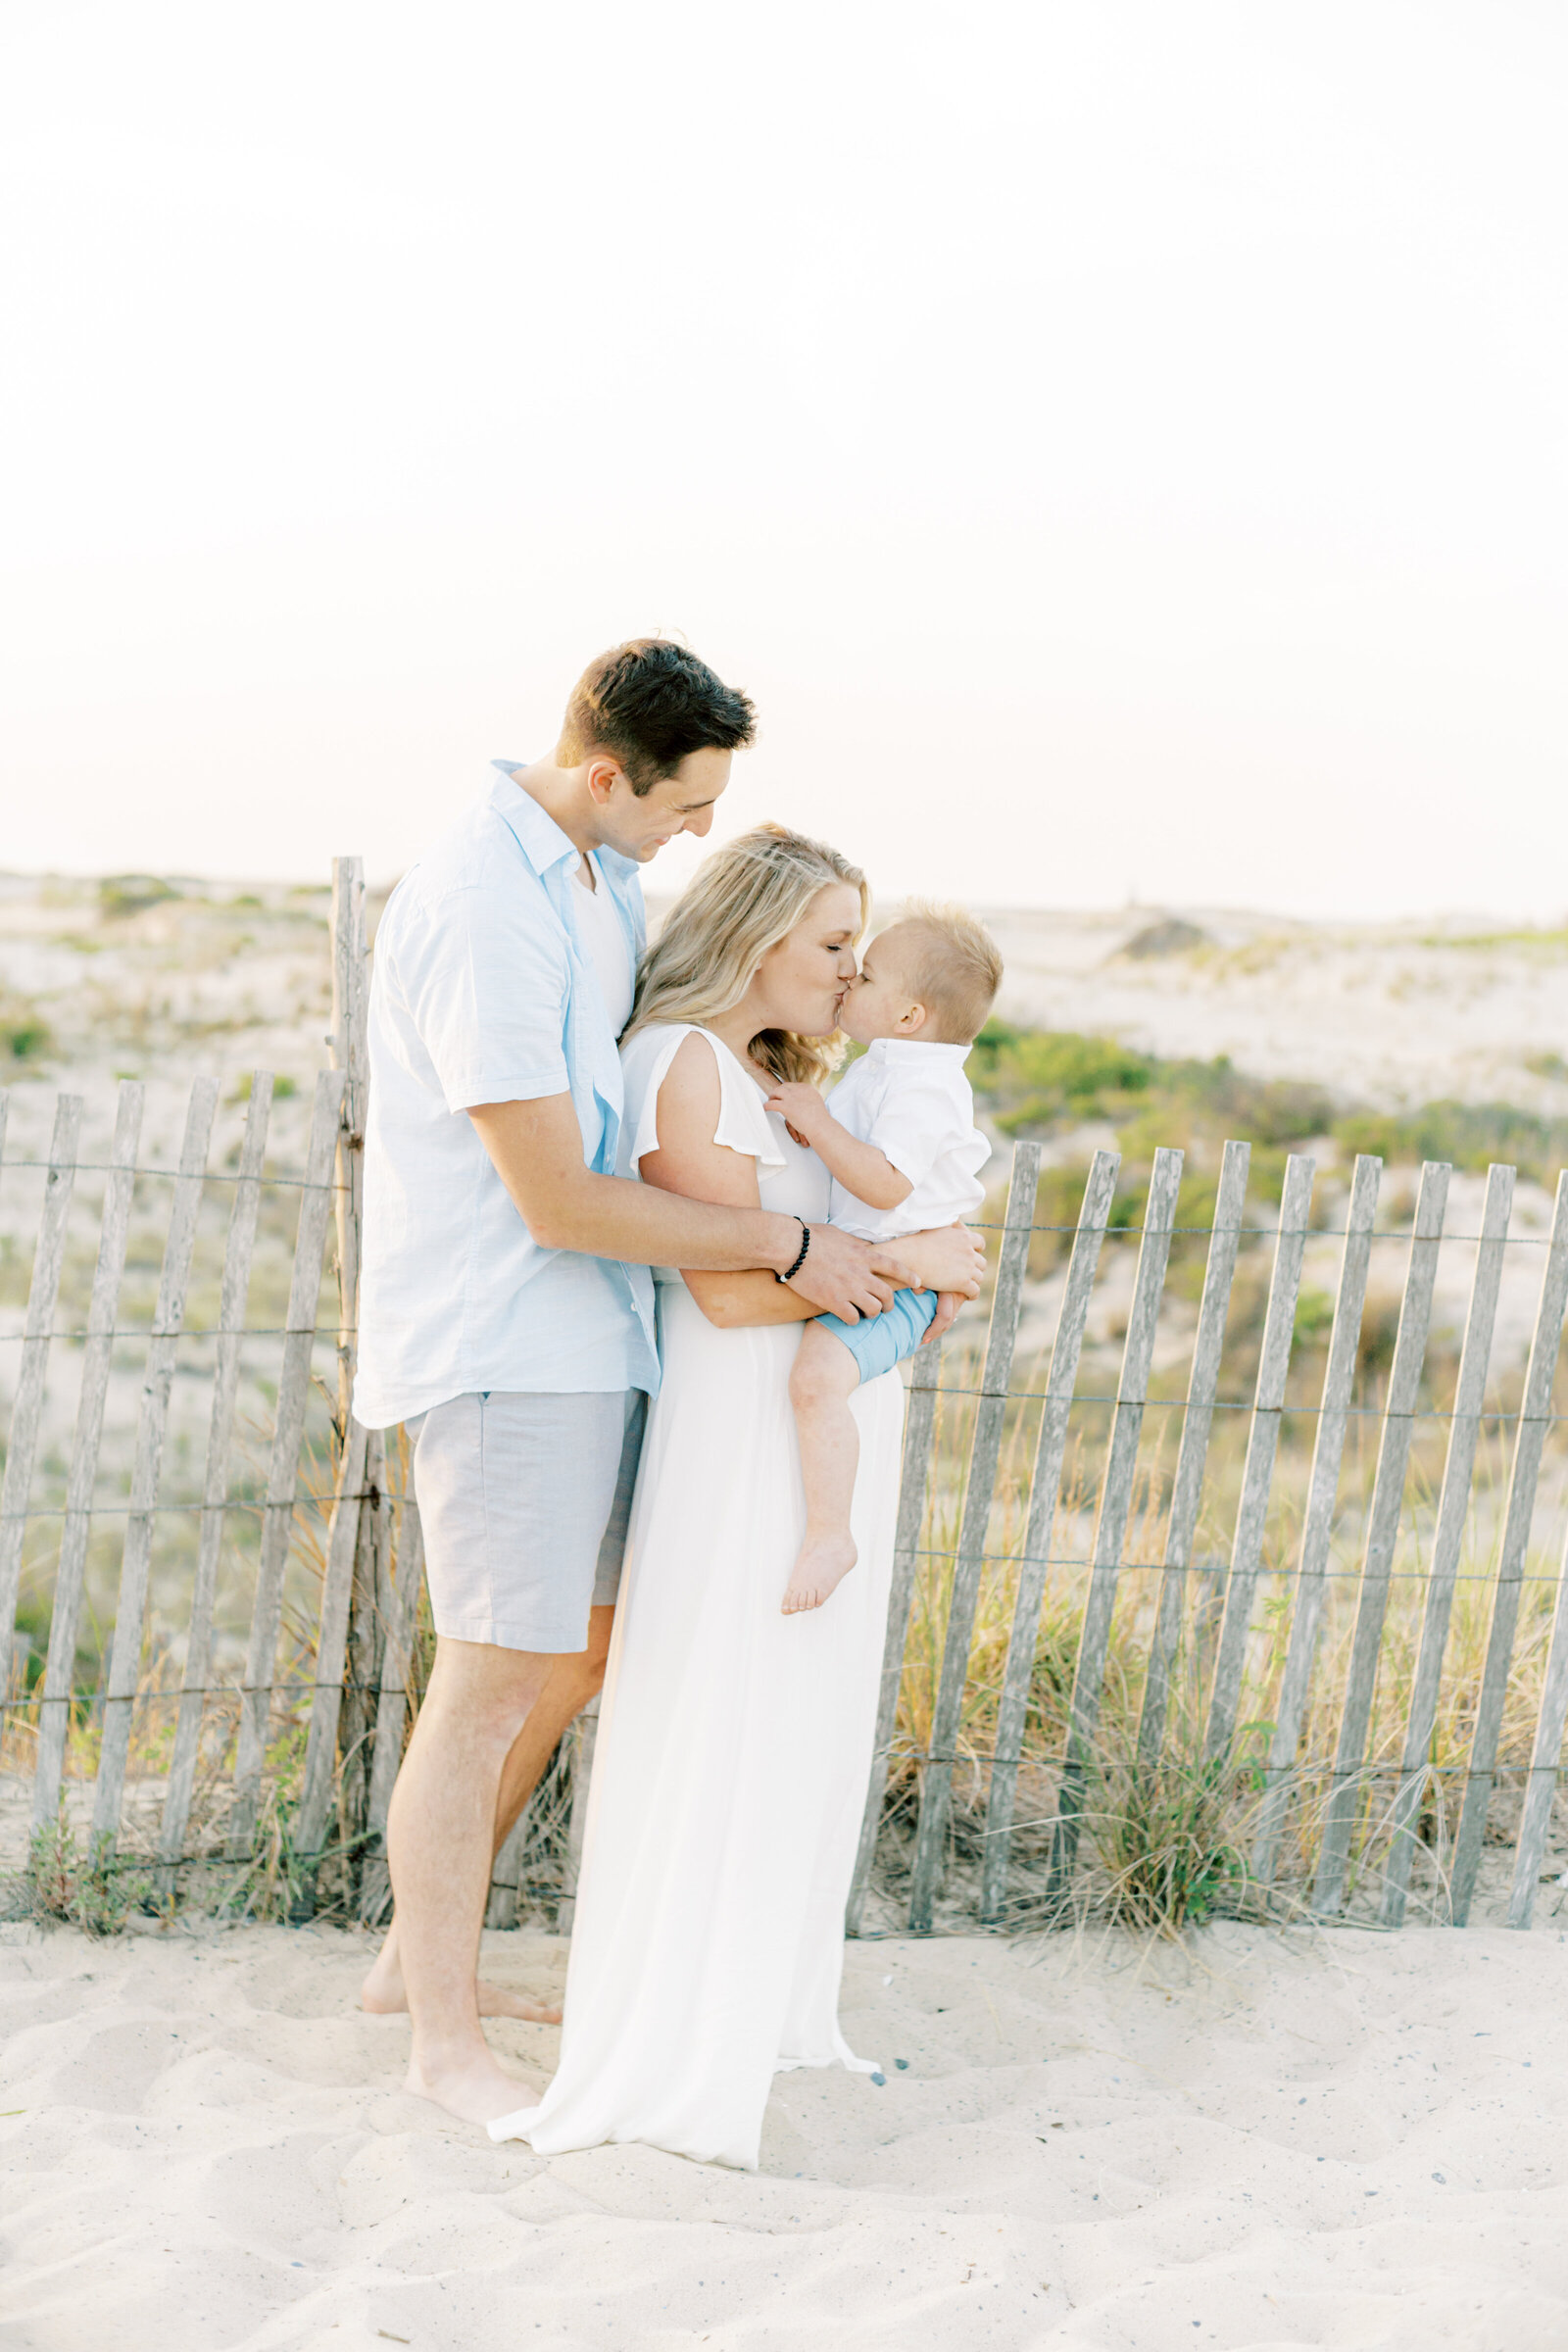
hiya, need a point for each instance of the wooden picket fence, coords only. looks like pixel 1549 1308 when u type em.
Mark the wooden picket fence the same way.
pixel 176 1751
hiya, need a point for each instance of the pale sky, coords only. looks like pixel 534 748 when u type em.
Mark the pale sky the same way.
pixel 1121 447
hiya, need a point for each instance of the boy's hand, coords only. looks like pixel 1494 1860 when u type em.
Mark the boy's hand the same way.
pixel 802 1110
pixel 948 1305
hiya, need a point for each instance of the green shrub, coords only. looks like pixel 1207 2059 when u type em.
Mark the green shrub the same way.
pixel 1467 1135
pixel 1171 1835
pixel 1035 1080
pixel 1314 1316
pixel 24 1034
pixel 85 1889
pixel 127 894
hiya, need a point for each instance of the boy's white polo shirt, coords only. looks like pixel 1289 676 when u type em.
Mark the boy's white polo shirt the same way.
pixel 912 1101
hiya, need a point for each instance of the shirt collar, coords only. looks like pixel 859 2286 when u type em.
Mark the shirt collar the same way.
pixel 919 1049
pixel 535 830
pixel 537 834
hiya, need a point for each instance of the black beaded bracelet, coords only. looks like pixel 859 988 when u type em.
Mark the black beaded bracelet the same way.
pixel 805 1243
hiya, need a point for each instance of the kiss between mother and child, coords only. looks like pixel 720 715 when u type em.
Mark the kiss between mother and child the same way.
pixel 638 1286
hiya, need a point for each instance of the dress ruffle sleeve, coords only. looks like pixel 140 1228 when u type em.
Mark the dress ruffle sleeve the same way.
pixel 743 1120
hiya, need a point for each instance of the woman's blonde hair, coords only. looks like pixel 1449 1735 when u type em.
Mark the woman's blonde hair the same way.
pixel 742 901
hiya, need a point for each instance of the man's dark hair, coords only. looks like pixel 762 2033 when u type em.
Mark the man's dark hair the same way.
pixel 649 704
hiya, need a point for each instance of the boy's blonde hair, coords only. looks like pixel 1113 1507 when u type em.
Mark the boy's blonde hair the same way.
pixel 954 968
pixel 742 901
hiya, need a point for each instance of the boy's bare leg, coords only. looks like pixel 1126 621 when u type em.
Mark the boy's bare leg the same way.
pixel 826 1376
pixel 574 1681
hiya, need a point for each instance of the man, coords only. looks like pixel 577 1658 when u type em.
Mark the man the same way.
pixel 506 1312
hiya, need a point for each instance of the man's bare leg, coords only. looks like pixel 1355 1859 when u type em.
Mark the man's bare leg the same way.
pixel 822 1380
pixel 574 1677
pixel 440 1841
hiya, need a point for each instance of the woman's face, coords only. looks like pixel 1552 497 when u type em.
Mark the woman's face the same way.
pixel 800 984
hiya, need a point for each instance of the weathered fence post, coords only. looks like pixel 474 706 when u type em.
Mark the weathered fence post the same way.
pixel 1186 1487
pixel 43 1294
pixel 1452 1510
pixel 354 1718
pixel 1322 1487
pixel 1050 1453
pixel 238 1250
pixel 582 1737
pixel 919 1427
pixel 135 1565
pixel 288 1431
pixel 1382 1535
pixel 1541 1786
pixel 1115 1504
pixel 1535 1413
pixel 331 1645
pixel 936 1787
pixel 350 1055
pixel 54 1720
pixel 403 1572
pixel 1262 1445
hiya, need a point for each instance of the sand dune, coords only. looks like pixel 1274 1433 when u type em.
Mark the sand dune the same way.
pixel 1311 2139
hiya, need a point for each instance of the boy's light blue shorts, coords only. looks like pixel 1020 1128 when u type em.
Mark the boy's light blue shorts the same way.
pixel 885 1340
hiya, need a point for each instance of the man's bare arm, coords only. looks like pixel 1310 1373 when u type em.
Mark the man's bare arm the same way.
pixel 537 1150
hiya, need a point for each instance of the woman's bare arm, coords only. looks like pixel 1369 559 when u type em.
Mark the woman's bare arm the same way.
pixel 746 1300
pixel 689 1161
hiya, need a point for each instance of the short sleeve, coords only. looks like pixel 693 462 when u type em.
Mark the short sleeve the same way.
pixel 916 1123
pixel 743 1121
pixel 485 973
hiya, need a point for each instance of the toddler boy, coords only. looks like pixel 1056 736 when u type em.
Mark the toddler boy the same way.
pixel 899 1138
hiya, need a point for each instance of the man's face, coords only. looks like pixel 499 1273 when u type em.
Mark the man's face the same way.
pixel 640 825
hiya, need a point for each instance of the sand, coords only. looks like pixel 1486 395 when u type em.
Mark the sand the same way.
pixel 1301 2138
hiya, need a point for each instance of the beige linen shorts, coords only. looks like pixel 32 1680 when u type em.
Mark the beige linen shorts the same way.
pixel 525 1501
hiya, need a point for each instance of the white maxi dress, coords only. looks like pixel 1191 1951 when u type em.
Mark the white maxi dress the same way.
pixel 734 1743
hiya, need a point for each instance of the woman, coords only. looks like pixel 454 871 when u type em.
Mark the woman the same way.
pixel 734 1741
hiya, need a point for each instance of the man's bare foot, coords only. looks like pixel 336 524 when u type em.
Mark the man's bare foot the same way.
pixel 473 2087
pixel 824 1564
pixel 383 1995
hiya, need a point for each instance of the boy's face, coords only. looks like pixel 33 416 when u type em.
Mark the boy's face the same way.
pixel 880 1000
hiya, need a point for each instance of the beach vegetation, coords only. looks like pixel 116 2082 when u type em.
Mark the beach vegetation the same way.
pixel 1038 1081
pixel 1550 942
pixel 25 1037
pixel 1467 1135
pixel 1171 1838
pixel 75 1883
pixel 123 894
pixel 1043 1083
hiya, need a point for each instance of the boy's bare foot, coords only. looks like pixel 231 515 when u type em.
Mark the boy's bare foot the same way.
pixel 825 1562
pixel 473 2087
pixel 383 1995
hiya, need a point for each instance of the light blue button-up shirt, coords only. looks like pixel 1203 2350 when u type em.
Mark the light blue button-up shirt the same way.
pixel 484 992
